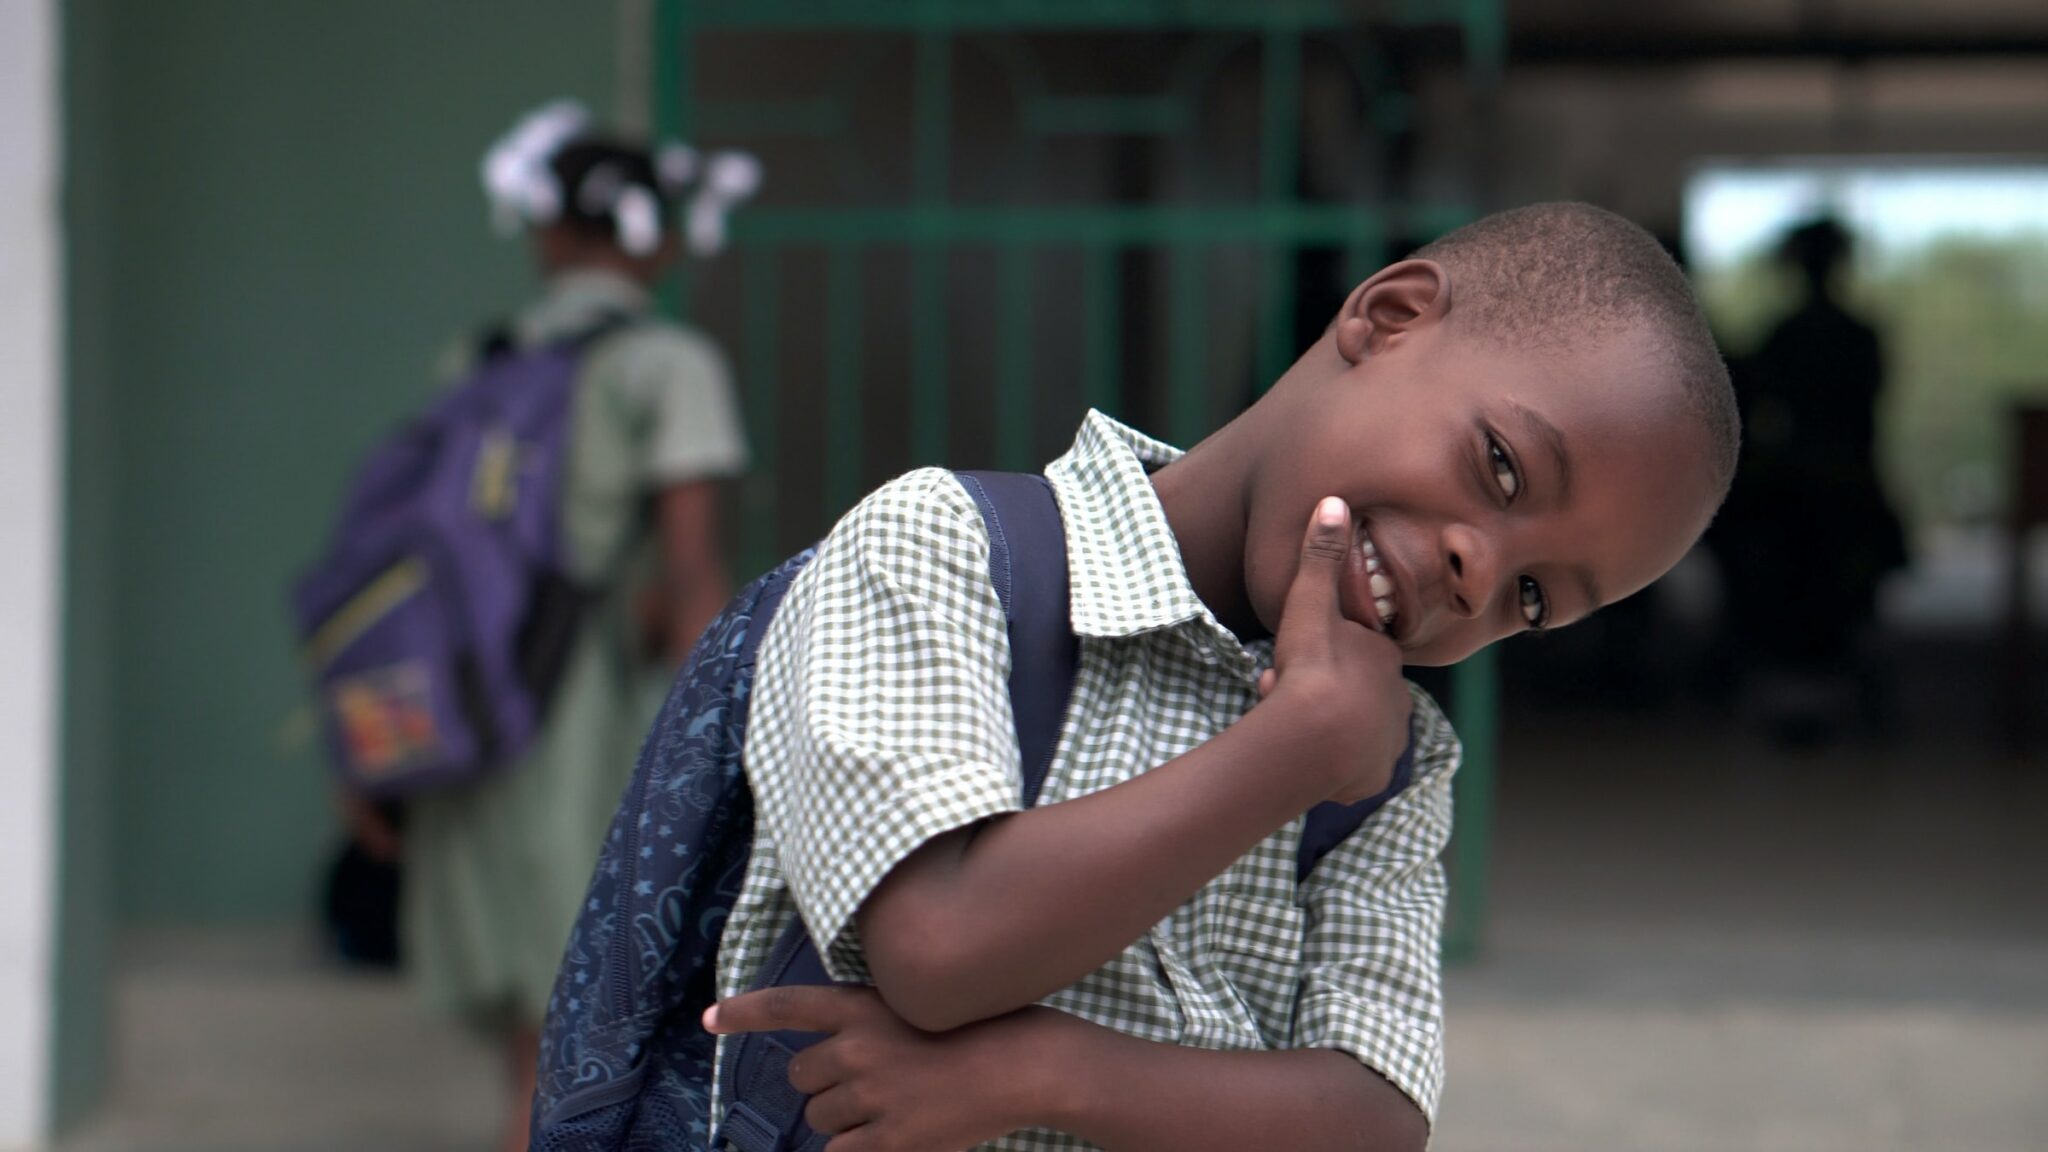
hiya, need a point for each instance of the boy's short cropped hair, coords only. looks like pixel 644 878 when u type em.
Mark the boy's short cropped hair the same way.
pixel 1546 275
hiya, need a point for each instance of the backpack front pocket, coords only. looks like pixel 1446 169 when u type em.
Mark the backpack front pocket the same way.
pixel 398 708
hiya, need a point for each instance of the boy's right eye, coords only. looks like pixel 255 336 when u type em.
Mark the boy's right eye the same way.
pixel 1503 466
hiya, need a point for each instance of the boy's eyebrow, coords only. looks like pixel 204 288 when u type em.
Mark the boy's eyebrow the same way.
pixel 1552 439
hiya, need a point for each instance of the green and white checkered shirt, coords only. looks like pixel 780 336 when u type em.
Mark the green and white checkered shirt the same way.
pixel 881 719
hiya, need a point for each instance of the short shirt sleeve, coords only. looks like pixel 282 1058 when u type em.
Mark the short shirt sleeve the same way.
pixel 881 716
pixel 1372 974
pixel 684 387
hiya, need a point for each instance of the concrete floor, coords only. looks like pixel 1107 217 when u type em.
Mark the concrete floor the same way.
pixel 248 1043
pixel 1698 944
pixel 1702 944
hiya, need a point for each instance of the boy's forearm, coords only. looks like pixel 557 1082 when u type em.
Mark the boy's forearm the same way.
pixel 982 923
pixel 877 1081
pixel 1132 1095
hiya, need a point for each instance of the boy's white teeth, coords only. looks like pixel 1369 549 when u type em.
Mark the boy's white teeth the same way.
pixel 1382 584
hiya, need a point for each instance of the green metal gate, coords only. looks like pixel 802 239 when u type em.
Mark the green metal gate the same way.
pixel 835 239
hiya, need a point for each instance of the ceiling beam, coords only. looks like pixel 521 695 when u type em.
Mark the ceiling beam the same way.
pixel 1595 47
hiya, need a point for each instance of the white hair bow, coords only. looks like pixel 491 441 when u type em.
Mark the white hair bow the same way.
pixel 517 180
pixel 729 178
pixel 520 183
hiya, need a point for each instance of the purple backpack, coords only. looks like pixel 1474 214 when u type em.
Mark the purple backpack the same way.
pixel 441 615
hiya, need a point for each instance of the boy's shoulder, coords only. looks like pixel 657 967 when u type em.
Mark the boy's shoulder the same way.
pixel 646 356
pixel 658 337
pixel 1437 748
pixel 915 546
pixel 923 507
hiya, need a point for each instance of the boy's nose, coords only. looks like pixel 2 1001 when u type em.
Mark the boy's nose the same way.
pixel 1470 572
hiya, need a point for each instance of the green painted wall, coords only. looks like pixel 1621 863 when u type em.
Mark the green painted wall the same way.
pixel 86 884
pixel 282 224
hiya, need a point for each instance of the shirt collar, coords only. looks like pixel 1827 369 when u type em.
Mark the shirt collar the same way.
pixel 1123 561
pixel 578 298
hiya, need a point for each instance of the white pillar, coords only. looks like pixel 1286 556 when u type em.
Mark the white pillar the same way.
pixel 31 388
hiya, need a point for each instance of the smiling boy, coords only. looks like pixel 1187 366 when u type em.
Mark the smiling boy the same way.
pixel 1525 421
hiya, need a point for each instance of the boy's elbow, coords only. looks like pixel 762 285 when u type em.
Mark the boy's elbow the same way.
pixel 930 1011
pixel 1402 1134
pixel 928 947
pixel 1380 1115
pixel 921 967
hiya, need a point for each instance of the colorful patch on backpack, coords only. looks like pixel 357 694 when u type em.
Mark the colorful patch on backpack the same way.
pixel 386 718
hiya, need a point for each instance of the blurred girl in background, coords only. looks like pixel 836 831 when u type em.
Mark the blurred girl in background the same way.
pixel 494 870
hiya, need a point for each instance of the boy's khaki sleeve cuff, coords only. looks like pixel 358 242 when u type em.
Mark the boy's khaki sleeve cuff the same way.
pixel 1409 1055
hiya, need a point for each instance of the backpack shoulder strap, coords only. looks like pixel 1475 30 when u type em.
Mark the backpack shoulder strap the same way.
pixel 1027 563
pixel 607 323
pixel 499 339
pixel 1330 824
pixel 495 340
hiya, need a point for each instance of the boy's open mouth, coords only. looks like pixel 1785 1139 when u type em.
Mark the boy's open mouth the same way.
pixel 1379 582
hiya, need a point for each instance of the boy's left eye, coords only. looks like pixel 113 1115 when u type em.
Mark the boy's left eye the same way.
pixel 1535 605
pixel 1504 473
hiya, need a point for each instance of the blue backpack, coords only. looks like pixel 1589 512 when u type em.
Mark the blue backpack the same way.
pixel 439 620
pixel 625 1065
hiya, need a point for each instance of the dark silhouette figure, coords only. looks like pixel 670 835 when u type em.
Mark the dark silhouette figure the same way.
pixel 1808 531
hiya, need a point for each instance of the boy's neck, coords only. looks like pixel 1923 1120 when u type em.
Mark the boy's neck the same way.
pixel 1206 499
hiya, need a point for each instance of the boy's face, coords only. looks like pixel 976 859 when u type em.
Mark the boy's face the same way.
pixel 1501 490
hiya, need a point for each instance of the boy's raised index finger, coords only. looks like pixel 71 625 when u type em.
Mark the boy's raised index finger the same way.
pixel 799 1008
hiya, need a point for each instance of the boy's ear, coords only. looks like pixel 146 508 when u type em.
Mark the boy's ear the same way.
pixel 1398 298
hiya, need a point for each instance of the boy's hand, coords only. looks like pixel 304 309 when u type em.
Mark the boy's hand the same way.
pixel 876 1083
pixel 1339 678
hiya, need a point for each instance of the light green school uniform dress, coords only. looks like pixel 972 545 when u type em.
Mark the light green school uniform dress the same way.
pixel 494 872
